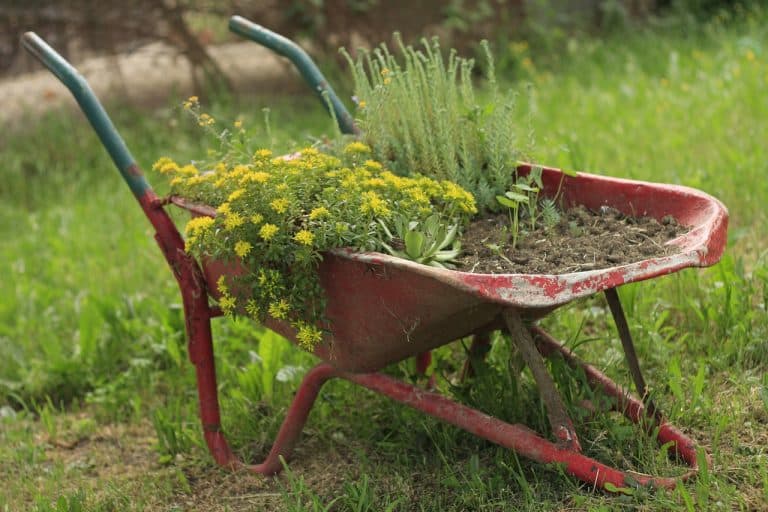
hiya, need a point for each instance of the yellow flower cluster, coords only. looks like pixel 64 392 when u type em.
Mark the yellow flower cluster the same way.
pixel 279 309
pixel 280 205
pixel 457 195
pixel 197 227
pixel 308 335
pixel 242 248
pixel 281 213
pixel 319 213
pixel 268 231
pixel 358 148
pixel 304 237
pixel 374 204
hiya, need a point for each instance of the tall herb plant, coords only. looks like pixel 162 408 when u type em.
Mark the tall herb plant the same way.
pixel 421 113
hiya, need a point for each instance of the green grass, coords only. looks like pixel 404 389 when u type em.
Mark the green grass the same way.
pixel 97 401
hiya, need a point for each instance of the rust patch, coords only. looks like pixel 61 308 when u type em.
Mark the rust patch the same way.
pixel 134 170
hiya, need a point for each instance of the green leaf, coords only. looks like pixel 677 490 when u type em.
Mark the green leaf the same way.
pixel 519 198
pixel 414 244
pixel 432 224
pixel 449 237
pixel 524 187
pixel 535 176
pixel 506 202
pixel 623 490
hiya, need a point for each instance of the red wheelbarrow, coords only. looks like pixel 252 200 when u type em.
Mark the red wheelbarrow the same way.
pixel 384 309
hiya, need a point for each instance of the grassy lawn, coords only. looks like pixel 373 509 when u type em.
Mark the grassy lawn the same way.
pixel 97 403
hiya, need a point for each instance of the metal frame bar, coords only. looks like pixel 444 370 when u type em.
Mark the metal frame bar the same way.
pixel 614 303
pixel 516 437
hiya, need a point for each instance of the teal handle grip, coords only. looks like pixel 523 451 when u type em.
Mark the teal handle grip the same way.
pixel 92 109
pixel 306 66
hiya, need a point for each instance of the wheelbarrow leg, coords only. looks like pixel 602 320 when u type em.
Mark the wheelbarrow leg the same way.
pixel 629 351
pixel 562 425
pixel 201 353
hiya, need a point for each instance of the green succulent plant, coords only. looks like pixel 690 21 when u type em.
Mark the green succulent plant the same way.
pixel 429 242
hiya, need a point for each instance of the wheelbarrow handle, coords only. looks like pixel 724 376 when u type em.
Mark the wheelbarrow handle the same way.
pixel 303 62
pixel 92 109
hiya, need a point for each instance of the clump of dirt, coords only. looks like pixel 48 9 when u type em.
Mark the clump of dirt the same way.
pixel 582 240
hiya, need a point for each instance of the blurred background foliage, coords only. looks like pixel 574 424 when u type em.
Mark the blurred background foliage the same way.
pixel 85 28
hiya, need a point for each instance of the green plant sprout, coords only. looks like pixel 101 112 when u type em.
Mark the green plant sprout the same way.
pixel 513 200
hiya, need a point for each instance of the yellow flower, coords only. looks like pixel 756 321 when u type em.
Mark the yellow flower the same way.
pixel 310 151
pixel 256 218
pixel 750 55
pixel 374 204
pixel 233 220
pixel 239 170
pixel 385 72
pixel 221 285
pixel 178 180
pixel 198 225
pixel 280 205
pixel 242 248
pixel 227 304
pixel 262 154
pixel 357 147
pixel 417 195
pixel 362 104
pixel 387 81
pixel 304 237
pixel 189 170
pixel 395 180
pixel 206 120
pixel 463 199
pixel 255 177
pixel 268 231
pixel 279 309
pixel 308 335
pixel 192 101
pixel 238 124
pixel 223 208
pixel 375 183
pixel 168 168
pixel 319 213
pixel 373 165
pixel 161 162
pixel 237 194
pixel 252 308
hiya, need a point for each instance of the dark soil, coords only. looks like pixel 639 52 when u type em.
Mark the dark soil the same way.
pixel 582 240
